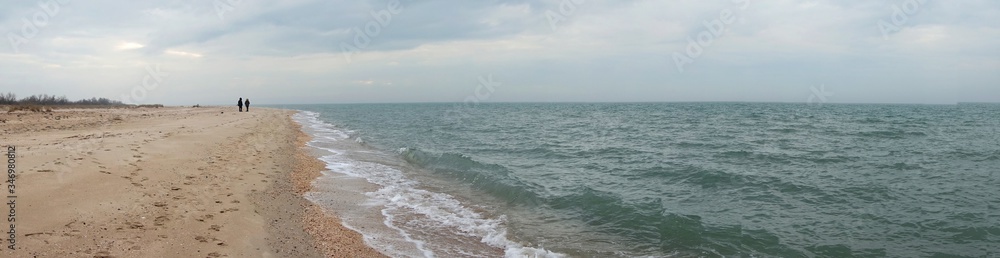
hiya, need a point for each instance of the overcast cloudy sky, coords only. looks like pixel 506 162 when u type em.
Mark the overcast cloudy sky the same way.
pixel 184 52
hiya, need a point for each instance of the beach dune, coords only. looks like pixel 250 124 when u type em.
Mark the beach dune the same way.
pixel 167 182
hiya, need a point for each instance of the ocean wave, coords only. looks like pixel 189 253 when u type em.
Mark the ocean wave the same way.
pixel 609 151
pixel 544 152
pixel 491 178
pixel 888 134
pixel 650 226
pixel 756 157
pixel 835 159
pixel 419 215
pixel 899 166
pixel 871 120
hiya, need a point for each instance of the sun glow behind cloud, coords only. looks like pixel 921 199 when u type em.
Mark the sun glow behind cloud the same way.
pixel 182 53
pixel 129 46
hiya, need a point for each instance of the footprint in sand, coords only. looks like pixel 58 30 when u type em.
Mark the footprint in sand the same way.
pixel 40 233
pixel 135 225
pixel 206 217
pixel 103 254
pixel 159 221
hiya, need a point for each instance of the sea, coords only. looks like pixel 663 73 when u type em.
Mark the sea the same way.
pixel 661 179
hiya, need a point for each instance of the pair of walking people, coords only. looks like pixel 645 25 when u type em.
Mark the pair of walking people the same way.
pixel 242 103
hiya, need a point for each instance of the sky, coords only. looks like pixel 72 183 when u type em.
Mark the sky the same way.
pixel 185 52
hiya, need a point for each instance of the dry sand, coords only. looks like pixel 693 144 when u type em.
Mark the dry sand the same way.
pixel 167 182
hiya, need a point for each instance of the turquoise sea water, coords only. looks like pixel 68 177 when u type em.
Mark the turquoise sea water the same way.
pixel 664 179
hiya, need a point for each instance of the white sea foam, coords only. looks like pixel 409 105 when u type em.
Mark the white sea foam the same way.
pixel 419 216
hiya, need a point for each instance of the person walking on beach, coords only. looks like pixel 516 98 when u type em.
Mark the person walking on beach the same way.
pixel 247 103
pixel 240 104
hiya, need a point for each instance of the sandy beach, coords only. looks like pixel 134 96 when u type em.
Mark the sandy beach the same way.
pixel 166 182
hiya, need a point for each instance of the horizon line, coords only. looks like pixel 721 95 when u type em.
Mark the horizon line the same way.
pixel 639 102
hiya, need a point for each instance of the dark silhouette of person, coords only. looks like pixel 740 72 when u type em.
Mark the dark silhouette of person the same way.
pixel 247 103
pixel 240 103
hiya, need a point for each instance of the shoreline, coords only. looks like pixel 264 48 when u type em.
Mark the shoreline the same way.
pixel 174 181
pixel 329 234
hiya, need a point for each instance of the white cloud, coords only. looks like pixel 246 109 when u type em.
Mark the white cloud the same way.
pixel 619 50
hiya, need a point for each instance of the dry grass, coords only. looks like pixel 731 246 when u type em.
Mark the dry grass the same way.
pixel 49 109
pixel 31 108
pixel 28 108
